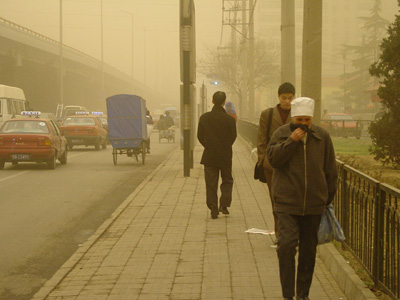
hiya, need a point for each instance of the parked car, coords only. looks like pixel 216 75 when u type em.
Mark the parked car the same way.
pixel 341 124
pixel 84 129
pixel 32 138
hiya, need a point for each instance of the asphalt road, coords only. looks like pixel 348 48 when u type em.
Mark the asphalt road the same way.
pixel 46 214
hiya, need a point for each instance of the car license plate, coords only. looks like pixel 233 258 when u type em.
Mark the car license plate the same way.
pixel 77 141
pixel 20 157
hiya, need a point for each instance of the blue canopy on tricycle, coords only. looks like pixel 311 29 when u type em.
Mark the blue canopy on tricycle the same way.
pixel 127 125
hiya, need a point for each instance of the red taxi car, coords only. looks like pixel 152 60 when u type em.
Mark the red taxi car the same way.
pixel 84 129
pixel 32 138
pixel 341 124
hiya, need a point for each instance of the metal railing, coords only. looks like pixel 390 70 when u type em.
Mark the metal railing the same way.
pixel 369 213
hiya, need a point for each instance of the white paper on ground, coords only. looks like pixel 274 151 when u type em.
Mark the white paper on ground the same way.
pixel 261 231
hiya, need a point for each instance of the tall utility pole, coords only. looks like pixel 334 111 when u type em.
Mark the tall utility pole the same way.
pixel 61 57
pixel 229 17
pixel 244 59
pixel 102 51
pixel 251 60
pixel 312 54
pixel 188 78
pixel 288 46
pixel 231 8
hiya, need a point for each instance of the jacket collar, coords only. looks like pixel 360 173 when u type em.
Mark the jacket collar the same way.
pixel 218 108
pixel 314 130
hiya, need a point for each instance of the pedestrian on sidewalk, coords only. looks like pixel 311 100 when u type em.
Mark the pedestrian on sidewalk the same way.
pixel 149 121
pixel 217 133
pixel 230 110
pixel 303 184
pixel 270 120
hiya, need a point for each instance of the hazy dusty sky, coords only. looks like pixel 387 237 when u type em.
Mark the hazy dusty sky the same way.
pixel 155 34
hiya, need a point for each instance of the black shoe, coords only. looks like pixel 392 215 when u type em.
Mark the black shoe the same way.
pixel 214 213
pixel 224 210
pixel 302 298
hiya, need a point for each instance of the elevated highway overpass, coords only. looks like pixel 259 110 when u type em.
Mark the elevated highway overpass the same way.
pixel 31 61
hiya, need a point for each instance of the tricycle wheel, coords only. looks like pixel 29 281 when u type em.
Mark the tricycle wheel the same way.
pixel 115 156
pixel 144 149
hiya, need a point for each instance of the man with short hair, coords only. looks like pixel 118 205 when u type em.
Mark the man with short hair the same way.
pixel 217 133
pixel 303 184
pixel 273 118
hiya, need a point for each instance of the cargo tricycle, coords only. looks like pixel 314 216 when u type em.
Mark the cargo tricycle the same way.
pixel 127 126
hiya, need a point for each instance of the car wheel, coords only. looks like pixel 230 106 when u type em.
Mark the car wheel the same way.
pixel 97 146
pixel 104 146
pixel 14 163
pixel 63 159
pixel 2 163
pixel 51 163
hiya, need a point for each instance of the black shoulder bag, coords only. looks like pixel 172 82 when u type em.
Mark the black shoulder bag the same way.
pixel 259 169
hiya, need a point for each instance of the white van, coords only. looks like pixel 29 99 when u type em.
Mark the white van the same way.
pixel 12 102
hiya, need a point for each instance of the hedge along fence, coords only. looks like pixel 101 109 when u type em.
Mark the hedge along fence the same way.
pixel 369 213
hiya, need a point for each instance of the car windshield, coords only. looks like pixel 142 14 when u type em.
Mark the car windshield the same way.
pixel 341 117
pixel 103 120
pixel 25 126
pixel 79 121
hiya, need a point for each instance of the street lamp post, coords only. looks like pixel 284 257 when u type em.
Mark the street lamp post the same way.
pixel 61 58
pixel 132 34
pixel 102 51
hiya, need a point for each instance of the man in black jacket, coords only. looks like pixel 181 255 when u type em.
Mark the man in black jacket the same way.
pixel 217 133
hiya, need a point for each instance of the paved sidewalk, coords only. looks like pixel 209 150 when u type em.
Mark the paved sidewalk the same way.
pixel 162 244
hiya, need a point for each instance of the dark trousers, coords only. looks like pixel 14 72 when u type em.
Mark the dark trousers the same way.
pixel 302 231
pixel 211 175
pixel 268 177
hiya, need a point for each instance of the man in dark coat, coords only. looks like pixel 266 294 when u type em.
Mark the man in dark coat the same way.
pixel 217 133
pixel 303 184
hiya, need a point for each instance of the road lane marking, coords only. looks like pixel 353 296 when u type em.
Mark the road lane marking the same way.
pixel 27 171
pixel 15 175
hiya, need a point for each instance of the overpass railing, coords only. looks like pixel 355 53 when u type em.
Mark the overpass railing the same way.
pixel 42 37
pixel 369 213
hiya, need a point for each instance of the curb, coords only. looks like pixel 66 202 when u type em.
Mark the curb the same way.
pixel 68 266
pixel 345 276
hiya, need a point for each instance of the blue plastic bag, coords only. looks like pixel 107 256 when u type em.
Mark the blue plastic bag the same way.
pixel 329 228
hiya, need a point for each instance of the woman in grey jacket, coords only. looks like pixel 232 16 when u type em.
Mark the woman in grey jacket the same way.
pixel 303 184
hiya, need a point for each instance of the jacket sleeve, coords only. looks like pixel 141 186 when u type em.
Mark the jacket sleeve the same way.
pixel 233 131
pixel 200 132
pixel 280 149
pixel 262 137
pixel 330 169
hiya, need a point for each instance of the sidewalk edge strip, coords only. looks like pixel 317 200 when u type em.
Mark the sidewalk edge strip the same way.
pixel 343 273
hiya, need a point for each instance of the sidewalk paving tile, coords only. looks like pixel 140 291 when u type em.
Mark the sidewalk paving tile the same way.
pixel 162 244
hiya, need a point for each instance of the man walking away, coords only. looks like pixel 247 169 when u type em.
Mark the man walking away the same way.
pixel 217 133
pixel 303 184
pixel 270 120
